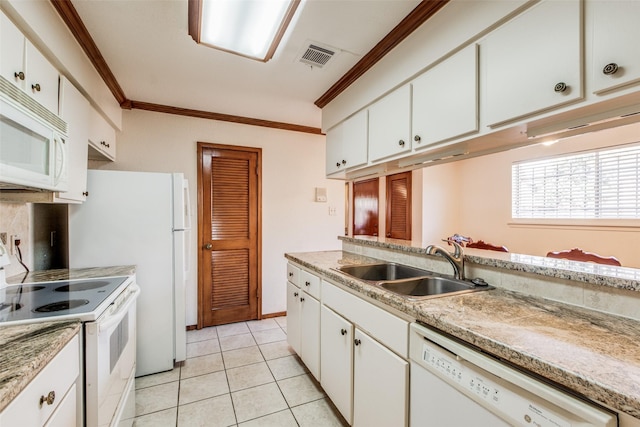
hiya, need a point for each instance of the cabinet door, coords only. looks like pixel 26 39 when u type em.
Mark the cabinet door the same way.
pixel 293 317
pixel 336 360
pixel 354 139
pixel 310 333
pixel 445 100
pixel 74 109
pixel 42 79
pixel 528 61
pixel 380 385
pixel 615 32
pixel 335 161
pixel 102 138
pixel 11 51
pixel 65 414
pixel 389 125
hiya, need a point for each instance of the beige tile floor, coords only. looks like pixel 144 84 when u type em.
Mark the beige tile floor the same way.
pixel 241 374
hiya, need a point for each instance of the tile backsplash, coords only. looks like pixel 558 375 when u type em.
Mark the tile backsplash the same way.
pixel 15 219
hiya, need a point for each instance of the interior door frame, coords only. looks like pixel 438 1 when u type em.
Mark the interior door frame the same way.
pixel 201 219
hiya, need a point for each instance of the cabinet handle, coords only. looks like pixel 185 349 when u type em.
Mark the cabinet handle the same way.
pixel 49 399
pixel 401 143
pixel 417 138
pixel 610 69
pixel 36 87
pixel 104 143
pixel 85 193
pixel 307 283
pixel 343 331
pixel 357 342
pixel 295 294
pixel 560 87
pixel 19 75
pixel 208 246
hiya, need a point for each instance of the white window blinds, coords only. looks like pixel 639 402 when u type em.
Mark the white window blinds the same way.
pixel 594 184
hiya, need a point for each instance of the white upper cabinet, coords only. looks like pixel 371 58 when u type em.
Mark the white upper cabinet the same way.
pixel 102 138
pixel 347 144
pixel 533 63
pixel 74 109
pixel 615 32
pixel 390 125
pixel 23 65
pixel 445 100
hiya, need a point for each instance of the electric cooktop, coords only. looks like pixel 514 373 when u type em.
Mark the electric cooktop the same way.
pixel 79 298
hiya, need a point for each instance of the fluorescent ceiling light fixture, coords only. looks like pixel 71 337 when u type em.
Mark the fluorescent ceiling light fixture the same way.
pixel 250 28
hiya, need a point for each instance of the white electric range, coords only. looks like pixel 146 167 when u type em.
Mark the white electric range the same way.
pixel 107 309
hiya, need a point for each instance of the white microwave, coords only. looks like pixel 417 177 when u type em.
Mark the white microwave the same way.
pixel 33 151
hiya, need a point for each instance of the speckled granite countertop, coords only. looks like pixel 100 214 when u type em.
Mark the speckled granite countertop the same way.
pixel 597 274
pixel 26 349
pixel 594 354
pixel 71 274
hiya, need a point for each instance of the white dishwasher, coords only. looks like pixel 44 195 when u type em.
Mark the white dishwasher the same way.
pixel 453 385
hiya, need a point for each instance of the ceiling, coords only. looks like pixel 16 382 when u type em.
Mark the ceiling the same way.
pixel 148 49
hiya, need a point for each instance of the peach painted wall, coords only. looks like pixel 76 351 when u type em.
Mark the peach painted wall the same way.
pixel 475 199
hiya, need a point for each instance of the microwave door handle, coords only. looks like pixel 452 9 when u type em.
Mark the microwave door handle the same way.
pixel 63 164
pixel 115 318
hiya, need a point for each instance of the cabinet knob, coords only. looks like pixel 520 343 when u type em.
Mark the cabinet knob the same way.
pixel 610 69
pixel 417 138
pixel 301 299
pixel 291 274
pixel 337 164
pixel 344 162
pixel 85 193
pixel 295 294
pixel 343 331
pixel 401 143
pixel 49 398
pixel 36 87
pixel 357 342
pixel 560 87
pixel 307 283
pixel 19 75
pixel 207 246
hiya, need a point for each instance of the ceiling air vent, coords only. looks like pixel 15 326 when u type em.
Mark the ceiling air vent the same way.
pixel 317 56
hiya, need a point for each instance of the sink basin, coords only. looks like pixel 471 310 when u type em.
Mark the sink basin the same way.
pixel 430 287
pixel 383 272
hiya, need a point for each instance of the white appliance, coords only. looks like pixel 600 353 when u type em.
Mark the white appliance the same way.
pixel 107 309
pixel 454 385
pixel 33 153
pixel 141 219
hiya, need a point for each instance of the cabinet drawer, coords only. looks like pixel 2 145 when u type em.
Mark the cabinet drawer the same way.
pixel 310 283
pixel 390 330
pixel 58 377
pixel 293 274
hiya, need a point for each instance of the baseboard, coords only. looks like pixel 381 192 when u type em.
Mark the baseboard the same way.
pixel 270 315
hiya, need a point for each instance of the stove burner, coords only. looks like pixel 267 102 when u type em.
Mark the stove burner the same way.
pixel 23 289
pixel 82 286
pixel 61 305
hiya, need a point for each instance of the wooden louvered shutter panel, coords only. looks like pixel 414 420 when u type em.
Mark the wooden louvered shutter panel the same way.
pixel 230 220
pixel 399 206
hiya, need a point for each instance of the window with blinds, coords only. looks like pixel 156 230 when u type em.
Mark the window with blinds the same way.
pixel 592 185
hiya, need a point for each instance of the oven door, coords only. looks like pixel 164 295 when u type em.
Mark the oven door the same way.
pixel 110 361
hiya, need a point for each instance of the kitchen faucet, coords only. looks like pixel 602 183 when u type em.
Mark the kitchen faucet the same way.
pixel 456 259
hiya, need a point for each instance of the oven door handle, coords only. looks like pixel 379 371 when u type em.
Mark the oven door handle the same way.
pixel 115 318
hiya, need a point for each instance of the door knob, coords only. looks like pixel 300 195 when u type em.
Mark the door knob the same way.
pixel 208 246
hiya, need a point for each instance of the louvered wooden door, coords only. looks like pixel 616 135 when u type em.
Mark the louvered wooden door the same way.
pixel 398 222
pixel 229 233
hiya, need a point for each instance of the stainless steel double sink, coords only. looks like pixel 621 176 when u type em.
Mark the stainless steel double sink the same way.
pixel 409 282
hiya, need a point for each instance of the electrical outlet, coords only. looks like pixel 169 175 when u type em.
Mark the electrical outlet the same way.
pixel 3 238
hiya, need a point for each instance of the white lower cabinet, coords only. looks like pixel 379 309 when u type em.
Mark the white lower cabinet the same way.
pixel 303 321
pixel 363 377
pixel 50 398
pixel 380 384
pixel 336 361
